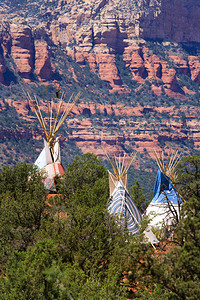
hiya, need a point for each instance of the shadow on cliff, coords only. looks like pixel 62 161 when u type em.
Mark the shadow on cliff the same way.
pixel 9 77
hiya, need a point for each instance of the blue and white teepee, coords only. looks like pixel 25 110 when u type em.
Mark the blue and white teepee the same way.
pixel 165 206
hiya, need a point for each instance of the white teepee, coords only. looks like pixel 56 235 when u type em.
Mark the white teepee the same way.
pixel 49 159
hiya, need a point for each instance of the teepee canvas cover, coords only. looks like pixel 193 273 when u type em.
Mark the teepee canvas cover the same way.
pixel 113 182
pixel 121 203
pixel 123 206
pixel 50 164
pixel 165 205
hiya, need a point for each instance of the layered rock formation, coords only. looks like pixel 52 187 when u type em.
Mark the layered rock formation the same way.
pixel 110 36
pixel 174 20
pixel 29 55
pixel 22 48
pixel 95 32
pixel 43 66
pixel 102 133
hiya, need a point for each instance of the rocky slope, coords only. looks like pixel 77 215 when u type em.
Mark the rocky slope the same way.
pixel 135 61
pixel 95 31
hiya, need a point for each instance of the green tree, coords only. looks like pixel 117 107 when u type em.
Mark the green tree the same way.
pixel 25 278
pixel 85 182
pixel 189 177
pixel 22 201
pixel 83 172
pixel 79 251
pixel 189 188
pixel 178 271
pixel 138 197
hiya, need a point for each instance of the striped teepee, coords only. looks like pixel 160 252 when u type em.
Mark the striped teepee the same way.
pixel 121 203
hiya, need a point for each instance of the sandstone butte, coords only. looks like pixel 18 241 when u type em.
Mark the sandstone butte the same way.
pixel 94 32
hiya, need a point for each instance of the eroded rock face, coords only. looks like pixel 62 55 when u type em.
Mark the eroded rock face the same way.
pixel 100 135
pixel 194 66
pixel 96 31
pixel 133 56
pixel 104 34
pixel 143 65
pixel 29 55
pixel 111 22
pixel 22 49
pixel 43 66
pixel 174 20
pixel 181 64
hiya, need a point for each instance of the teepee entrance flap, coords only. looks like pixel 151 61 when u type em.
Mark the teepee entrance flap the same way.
pixel 44 158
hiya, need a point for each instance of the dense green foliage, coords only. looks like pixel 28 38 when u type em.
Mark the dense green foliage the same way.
pixel 73 249
pixel 138 196
pixel 179 270
pixel 22 198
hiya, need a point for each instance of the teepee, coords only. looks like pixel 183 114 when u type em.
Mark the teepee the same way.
pixel 165 206
pixel 121 203
pixel 49 159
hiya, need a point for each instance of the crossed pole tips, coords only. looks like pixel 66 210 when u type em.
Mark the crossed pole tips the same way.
pixel 168 166
pixel 57 113
pixel 120 165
